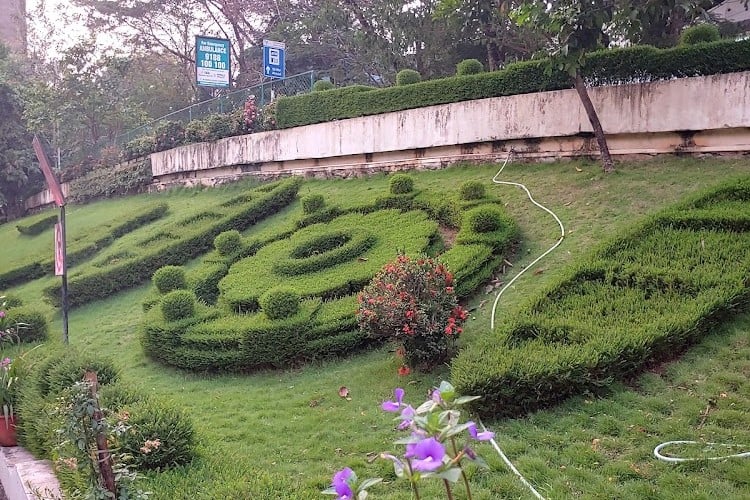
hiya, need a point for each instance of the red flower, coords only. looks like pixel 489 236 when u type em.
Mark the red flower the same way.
pixel 403 370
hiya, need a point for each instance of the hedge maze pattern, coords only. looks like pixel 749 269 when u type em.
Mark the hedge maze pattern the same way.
pixel 645 296
pixel 325 262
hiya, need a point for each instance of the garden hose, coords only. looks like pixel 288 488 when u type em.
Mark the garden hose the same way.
pixel 677 460
pixel 562 235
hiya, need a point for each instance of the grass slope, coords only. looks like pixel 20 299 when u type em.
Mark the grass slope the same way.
pixel 279 435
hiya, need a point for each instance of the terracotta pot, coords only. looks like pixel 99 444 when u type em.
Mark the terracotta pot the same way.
pixel 8 431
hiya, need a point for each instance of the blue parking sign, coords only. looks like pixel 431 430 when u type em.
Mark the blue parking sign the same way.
pixel 274 59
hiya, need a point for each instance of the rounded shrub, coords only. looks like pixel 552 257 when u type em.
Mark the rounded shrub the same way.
pixel 279 303
pixel 169 278
pixel 59 372
pixel 178 304
pixel 116 396
pixel 160 436
pixel 472 190
pixel 486 219
pixel 401 184
pixel 8 301
pixel 469 67
pixel 228 242
pixel 322 85
pixel 408 77
pixel 700 33
pixel 312 203
pixel 31 325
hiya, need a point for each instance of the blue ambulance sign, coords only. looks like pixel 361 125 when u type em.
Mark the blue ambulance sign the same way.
pixel 274 59
pixel 212 62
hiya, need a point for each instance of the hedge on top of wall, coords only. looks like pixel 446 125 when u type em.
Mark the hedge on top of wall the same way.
pixel 612 66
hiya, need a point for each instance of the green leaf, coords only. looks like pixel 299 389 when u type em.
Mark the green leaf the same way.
pixel 456 430
pixel 465 399
pixel 369 482
pixel 362 495
pixel 329 491
pixel 452 475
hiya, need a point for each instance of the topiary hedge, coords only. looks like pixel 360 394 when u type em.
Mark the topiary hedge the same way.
pixel 644 296
pixel 613 66
pixel 32 324
pixel 469 67
pixel 169 278
pixel 700 33
pixel 196 238
pixel 487 224
pixel 280 303
pixel 106 182
pixel 408 77
pixel 312 203
pixel 401 184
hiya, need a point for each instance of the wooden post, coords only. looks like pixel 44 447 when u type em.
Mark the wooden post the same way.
pixel 102 450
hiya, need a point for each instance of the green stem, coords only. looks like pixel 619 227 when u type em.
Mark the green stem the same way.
pixel 411 480
pixel 448 489
pixel 463 474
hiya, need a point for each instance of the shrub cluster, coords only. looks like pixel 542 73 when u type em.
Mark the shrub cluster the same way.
pixel 700 33
pixel 169 278
pixel 487 224
pixel 313 203
pixel 408 77
pixel 106 182
pixel 37 227
pixel 280 303
pixel 632 64
pixel 32 324
pixel 472 190
pixel 401 184
pixel 322 85
pixel 228 242
pixel 196 239
pixel 469 67
pixel 642 297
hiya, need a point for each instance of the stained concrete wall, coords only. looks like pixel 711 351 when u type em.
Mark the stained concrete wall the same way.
pixel 710 113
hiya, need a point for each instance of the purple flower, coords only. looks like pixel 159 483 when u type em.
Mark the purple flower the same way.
pixel 428 452
pixel 5 362
pixel 407 414
pixel 393 406
pixel 341 484
pixel 479 436
pixel 2 314
pixel 436 396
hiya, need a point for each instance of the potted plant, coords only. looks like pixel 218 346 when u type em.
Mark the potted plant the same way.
pixel 8 384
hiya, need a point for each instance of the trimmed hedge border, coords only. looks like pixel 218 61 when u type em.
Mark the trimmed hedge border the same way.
pixel 87 288
pixel 37 227
pixel 613 66
pixel 641 297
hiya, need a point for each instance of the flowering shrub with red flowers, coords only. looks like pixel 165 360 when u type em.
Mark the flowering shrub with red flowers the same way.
pixel 250 114
pixel 412 301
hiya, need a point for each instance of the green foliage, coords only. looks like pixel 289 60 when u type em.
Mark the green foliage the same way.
pixel 472 190
pixel 37 227
pixel 168 135
pixel 169 278
pixel 178 304
pixel 401 184
pixel 700 33
pixel 280 303
pixel 485 219
pixel 324 251
pixel 160 436
pixel 470 265
pixel 8 301
pixel 138 148
pixel 408 77
pixel 196 238
pixel 312 203
pixel 64 368
pixel 106 182
pixel 228 242
pixel 614 66
pixel 32 324
pixel 641 297
pixel 322 85
pixel 469 67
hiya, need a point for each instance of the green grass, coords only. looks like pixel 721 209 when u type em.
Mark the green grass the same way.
pixel 282 434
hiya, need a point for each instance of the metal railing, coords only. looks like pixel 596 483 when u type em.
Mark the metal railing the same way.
pixel 264 93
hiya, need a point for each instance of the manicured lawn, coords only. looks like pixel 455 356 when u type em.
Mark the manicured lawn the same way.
pixel 282 434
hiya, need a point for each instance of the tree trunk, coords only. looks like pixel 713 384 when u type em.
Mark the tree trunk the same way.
pixel 583 94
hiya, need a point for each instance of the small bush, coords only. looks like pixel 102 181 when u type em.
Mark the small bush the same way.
pixel 312 203
pixel 60 372
pixel 486 219
pixel 160 436
pixel 228 242
pixel 322 85
pixel 168 135
pixel 8 301
pixel 401 184
pixel 169 278
pixel 178 304
pixel 408 77
pixel 32 325
pixel 196 131
pixel 469 67
pixel 700 33
pixel 139 147
pixel 472 190
pixel 280 303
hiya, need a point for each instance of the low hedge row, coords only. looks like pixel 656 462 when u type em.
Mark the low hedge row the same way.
pixel 632 64
pixel 37 227
pixel 78 251
pixel 193 241
pixel 644 296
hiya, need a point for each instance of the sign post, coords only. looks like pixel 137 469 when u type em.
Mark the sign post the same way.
pixel 212 62
pixel 60 246
pixel 274 59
